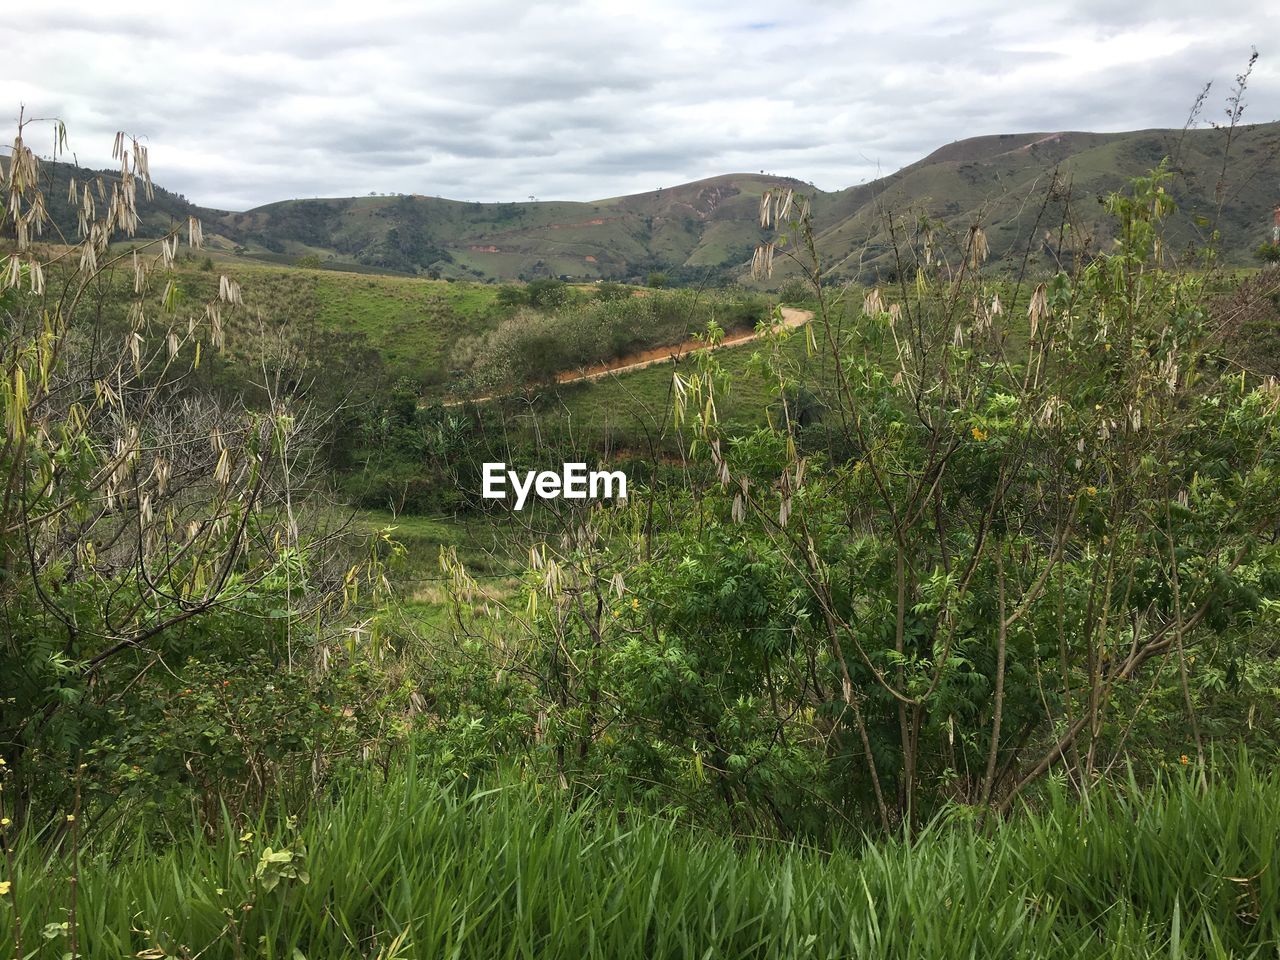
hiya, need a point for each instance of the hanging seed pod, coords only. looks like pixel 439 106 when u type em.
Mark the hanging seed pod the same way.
pixel 978 249
pixel 1038 308
pixel 872 305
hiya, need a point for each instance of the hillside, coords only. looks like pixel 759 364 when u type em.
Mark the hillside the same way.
pixel 1004 183
pixel 706 230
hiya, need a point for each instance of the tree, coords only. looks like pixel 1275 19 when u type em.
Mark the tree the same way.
pixel 142 519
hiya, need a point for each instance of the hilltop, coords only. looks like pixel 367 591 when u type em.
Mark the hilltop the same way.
pixel 706 230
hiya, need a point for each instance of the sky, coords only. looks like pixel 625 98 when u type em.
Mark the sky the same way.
pixel 244 102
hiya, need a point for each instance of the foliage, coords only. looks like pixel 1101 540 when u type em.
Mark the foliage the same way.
pixel 986 554
pixel 146 521
pixel 402 867
pixel 225 737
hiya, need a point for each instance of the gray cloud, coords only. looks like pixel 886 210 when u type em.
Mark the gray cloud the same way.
pixel 245 102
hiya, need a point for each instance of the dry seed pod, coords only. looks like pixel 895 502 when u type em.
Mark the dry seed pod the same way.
pixel 872 305
pixel 1038 308
pixel 978 249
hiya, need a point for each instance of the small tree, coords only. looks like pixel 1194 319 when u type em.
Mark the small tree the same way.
pixel 133 509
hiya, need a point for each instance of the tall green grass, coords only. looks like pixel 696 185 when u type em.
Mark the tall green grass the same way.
pixel 405 867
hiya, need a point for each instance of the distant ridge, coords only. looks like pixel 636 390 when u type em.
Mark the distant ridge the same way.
pixel 705 231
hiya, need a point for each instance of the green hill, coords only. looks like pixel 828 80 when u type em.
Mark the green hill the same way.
pixel 1004 182
pixel 1021 187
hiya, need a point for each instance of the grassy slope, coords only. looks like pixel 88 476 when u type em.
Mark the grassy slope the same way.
pixel 411 323
pixel 633 406
pixel 399 867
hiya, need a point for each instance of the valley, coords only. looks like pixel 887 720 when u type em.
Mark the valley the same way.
pixel 738 569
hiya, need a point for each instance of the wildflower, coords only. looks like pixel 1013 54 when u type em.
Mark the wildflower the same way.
pixel 2 761
pixel 246 837
pixel 1092 491
pixel 1184 760
pixel 71 818
pixel 978 433
pixel 226 683
pixel 5 887
pixel 635 604
pixel 5 821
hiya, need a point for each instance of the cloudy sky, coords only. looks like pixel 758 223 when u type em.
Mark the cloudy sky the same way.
pixel 247 101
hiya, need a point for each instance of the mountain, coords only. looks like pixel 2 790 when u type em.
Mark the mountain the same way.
pixel 708 229
pixel 1004 182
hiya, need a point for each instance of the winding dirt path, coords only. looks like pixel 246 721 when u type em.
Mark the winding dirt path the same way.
pixel 792 317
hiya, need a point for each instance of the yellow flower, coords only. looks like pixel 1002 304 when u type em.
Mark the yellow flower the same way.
pixel 1 761
pixel 1092 491
pixel 635 604
pixel 1183 760
pixel 71 818
pixel 978 433
pixel 5 821
pixel 5 887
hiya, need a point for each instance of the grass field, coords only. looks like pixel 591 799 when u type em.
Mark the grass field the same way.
pixel 402 867
pixel 410 322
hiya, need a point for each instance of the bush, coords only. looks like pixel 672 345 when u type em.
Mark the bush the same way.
pixel 1268 252
pixel 225 736
pixel 547 293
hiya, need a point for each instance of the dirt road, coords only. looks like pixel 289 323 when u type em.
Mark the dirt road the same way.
pixel 792 317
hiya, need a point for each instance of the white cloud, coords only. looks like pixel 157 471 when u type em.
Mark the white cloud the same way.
pixel 247 102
